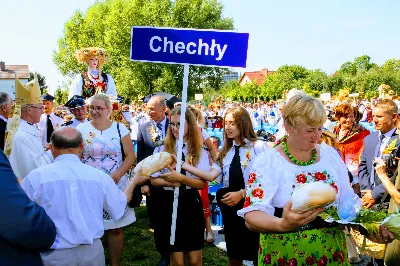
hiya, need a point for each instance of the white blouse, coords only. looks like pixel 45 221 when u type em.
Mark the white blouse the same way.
pixel 247 155
pixel 203 164
pixel 273 179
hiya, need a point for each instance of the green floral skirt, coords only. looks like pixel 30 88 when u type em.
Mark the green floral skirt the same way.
pixel 326 246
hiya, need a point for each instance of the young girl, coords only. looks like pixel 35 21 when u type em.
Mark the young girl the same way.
pixel 190 223
pixel 236 158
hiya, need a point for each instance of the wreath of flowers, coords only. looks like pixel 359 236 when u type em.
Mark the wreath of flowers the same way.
pixel 83 55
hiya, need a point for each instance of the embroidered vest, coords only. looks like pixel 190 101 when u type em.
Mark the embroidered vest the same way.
pixel 88 87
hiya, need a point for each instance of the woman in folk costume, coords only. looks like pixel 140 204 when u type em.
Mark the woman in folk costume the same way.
pixel 92 81
pixel 23 145
pixel 287 237
pixel 236 158
pixel 350 136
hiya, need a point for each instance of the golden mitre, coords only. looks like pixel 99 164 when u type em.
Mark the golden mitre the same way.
pixel 24 94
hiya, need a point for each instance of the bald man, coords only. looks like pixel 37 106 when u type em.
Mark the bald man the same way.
pixel 74 195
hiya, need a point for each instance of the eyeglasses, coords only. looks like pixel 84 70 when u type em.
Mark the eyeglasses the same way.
pixel 177 125
pixel 97 108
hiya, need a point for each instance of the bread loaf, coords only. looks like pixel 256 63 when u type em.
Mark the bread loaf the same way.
pixel 154 163
pixel 312 196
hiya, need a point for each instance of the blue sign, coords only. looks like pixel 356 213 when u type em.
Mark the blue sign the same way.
pixel 189 46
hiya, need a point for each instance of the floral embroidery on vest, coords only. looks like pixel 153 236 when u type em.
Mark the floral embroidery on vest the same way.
pixel 90 88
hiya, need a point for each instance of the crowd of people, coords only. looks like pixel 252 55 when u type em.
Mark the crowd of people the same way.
pixel 67 182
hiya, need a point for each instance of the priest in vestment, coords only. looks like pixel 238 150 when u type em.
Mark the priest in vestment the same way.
pixel 23 146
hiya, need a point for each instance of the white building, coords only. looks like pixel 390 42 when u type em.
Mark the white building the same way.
pixel 7 76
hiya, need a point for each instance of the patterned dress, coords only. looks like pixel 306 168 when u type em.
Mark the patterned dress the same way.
pixel 103 151
pixel 269 187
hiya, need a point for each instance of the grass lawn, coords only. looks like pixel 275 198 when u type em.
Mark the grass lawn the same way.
pixel 140 249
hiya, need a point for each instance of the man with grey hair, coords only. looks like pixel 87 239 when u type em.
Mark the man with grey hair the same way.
pixel 74 196
pixel 6 104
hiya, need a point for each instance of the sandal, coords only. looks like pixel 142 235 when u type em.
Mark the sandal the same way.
pixel 210 237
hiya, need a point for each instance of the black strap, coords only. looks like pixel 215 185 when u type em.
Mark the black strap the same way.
pixel 50 128
pixel 120 142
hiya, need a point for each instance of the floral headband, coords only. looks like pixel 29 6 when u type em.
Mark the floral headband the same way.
pixel 83 55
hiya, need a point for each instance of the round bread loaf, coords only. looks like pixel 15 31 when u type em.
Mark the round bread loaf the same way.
pixel 154 163
pixel 312 196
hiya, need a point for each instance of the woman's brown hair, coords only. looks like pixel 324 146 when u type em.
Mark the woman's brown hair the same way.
pixel 344 109
pixel 194 140
pixel 246 131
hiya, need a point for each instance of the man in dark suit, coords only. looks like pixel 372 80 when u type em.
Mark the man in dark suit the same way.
pixel 6 104
pixel 382 143
pixel 25 228
pixel 150 135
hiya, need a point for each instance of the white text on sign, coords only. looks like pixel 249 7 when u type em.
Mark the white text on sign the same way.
pixel 157 44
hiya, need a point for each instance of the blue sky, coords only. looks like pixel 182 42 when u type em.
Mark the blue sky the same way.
pixel 311 33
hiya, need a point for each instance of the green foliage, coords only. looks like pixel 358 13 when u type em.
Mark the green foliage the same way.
pixel 41 81
pixel 360 75
pixel 108 24
pixel 61 93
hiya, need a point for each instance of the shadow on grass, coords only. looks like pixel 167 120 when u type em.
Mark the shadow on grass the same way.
pixel 140 249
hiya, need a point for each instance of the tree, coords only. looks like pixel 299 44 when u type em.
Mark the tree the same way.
pixel 108 25
pixel 41 81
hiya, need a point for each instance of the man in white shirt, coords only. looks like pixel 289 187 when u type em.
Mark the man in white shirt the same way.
pixel 77 107
pixel 74 196
pixel 49 121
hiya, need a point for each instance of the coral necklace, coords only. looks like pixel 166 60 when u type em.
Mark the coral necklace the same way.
pixel 294 160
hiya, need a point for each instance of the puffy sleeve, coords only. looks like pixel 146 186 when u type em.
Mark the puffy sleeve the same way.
pixel 204 134
pixel 260 146
pixel 216 166
pixel 261 186
pixel 204 162
pixel 111 88
pixel 76 86
pixel 344 186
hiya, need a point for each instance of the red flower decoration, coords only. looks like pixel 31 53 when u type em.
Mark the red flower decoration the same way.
pixel 310 260
pixel 252 178
pixel 281 262
pixel 335 256
pixel 115 106
pixel 301 178
pixel 246 202
pixel 293 262
pixel 258 193
pixel 335 187
pixel 342 256
pixel 320 176
pixel 267 259
pixel 322 261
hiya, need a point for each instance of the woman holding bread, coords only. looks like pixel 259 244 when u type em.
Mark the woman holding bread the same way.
pixel 236 158
pixel 108 147
pixel 290 236
pixel 189 235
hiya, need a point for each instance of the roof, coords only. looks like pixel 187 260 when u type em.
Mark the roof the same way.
pixel 22 72
pixel 257 75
